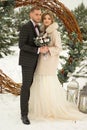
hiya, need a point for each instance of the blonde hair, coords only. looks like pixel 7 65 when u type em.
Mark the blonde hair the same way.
pixel 47 13
pixel 43 28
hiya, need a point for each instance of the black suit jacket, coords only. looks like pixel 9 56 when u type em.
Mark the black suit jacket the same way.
pixel 28 50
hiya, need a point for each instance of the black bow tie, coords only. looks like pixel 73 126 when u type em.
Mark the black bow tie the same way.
pixel 36 26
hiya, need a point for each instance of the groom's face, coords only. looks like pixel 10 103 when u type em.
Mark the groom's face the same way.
pixel 36 16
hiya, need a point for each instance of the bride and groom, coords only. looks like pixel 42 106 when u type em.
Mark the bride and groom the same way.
pixel 41 92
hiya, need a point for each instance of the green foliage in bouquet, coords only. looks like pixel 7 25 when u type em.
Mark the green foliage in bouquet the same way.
pixel 42 40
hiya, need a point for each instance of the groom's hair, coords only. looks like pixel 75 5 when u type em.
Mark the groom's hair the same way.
pixel 34 8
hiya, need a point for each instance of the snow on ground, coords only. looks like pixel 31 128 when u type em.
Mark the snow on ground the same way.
pixel 10 105
pixel 10 118
pixel 9 65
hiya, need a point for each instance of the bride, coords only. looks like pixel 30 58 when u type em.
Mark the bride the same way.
pixel 47 96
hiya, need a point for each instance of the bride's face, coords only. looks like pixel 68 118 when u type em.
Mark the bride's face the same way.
pixel 47 20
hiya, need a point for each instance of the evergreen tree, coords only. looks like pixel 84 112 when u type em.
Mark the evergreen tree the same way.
pixel 7 29
pixel 79 52
pixel 21 16
pixel 81 16
pixel 10 23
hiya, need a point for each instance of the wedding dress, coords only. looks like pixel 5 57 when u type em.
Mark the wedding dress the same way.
pixel 47 96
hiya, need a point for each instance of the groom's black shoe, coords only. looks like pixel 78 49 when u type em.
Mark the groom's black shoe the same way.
pixel 25 120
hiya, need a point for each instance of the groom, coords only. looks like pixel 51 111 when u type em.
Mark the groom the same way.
pixel 28 58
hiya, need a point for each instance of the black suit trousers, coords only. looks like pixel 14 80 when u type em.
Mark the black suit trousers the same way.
pixel 27 79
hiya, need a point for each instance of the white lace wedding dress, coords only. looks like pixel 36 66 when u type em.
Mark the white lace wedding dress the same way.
pixel 47 96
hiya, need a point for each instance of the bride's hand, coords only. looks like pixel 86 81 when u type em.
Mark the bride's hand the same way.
pixel 44 49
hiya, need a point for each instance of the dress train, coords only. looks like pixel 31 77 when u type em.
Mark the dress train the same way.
pixel 48 100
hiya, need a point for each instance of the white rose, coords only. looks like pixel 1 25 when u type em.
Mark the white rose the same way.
pixel 41 41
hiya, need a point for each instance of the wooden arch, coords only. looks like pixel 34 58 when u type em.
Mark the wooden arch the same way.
pixel 62 12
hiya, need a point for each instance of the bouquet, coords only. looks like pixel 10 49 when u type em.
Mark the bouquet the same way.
pixel 42 40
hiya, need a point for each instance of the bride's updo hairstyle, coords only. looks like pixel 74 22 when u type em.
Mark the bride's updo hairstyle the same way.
pixel 47 13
